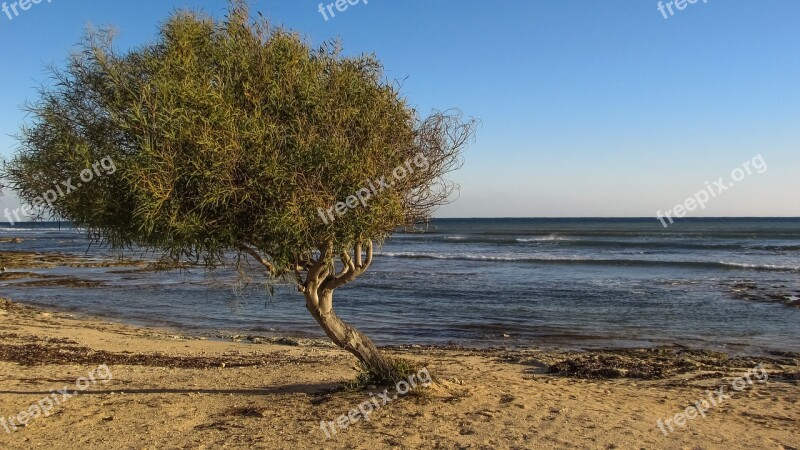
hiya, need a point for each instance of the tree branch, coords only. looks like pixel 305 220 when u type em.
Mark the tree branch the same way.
pixel 317 268
pixel 351 271
pixel 348 264
pixel 358 255
pixel 368 261
pixel 252 252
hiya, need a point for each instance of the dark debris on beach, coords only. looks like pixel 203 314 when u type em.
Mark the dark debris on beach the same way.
pixel 49 351
pixel 48 354
pixel 660 363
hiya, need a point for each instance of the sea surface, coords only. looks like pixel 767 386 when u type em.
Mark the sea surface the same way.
pixel 565 283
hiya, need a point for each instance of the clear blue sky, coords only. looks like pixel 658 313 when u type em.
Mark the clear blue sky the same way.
pixel 589 108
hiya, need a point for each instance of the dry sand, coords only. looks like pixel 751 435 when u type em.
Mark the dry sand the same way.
pixel 171 391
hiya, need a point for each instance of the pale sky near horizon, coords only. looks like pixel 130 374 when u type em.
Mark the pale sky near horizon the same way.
pixel 588 108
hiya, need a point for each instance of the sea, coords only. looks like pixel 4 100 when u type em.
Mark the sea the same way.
pixel 720 284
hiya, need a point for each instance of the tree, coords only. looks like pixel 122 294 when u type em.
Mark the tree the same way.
pixel 236 136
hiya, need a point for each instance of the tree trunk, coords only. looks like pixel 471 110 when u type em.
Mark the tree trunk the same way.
pixel 320 303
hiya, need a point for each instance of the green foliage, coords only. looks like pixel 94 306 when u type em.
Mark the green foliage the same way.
pixel 230 133
pixel 402 369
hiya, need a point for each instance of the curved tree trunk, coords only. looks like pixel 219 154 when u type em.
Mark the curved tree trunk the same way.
pixel 318 286
pixel 320 303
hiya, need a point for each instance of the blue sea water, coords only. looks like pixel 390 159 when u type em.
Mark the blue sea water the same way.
pixel 567 283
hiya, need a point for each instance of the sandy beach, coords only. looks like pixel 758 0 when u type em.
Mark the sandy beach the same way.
pixel 171 391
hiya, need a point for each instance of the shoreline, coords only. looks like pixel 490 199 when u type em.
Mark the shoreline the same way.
pixel 86 289
pixel 177 391
pixel 299 339
pixel 548 344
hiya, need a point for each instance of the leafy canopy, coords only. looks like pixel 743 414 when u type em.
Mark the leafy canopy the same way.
pixel 229 134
